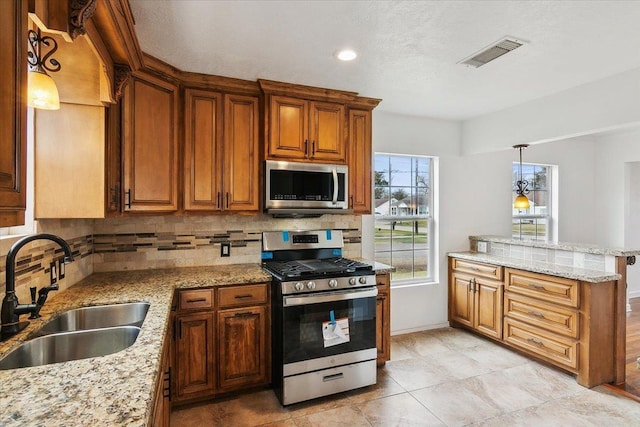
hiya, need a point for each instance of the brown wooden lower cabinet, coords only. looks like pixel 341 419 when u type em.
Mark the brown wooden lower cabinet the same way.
pixel 565 322
pixel 242 347
pixel 222 340
pixel 195 355
pixel 383 318
pixel 162 406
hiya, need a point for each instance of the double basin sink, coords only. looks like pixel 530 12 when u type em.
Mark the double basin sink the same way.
pixel 80 334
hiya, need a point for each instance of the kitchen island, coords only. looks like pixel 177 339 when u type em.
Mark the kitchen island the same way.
pixel 113 390
pixel 562 303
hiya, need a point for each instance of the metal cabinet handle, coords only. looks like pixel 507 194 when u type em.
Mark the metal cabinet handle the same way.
pixel 244 314
pixel 535 341
pixel 243 296
pixel 534 286
pixel 218 200
pixel 306 149
pixel 351 198
pixel 537 314
pixel 313 149
pixel 227 199
pixel 128 203
pixel 196 300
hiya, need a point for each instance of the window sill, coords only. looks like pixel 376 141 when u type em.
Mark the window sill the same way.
pixel 413 284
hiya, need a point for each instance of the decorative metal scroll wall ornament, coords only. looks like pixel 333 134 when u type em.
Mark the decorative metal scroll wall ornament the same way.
pixel 522 187
pixel 42 90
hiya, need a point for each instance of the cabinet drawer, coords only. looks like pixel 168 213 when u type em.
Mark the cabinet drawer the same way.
pixel 196 299
pixel 235 296
pixel 551 317
pixel 478 269
pixel 548 288
pixel 557 349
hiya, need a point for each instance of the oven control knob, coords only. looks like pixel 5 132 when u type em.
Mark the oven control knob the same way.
pixel 362 280
pixel 333 283
pixel 311 285
pixel 299 286
pixel 352 281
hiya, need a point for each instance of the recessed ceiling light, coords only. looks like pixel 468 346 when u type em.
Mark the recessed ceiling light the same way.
pixel 346 55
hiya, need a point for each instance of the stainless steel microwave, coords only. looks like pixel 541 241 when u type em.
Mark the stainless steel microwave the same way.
pixel 305 189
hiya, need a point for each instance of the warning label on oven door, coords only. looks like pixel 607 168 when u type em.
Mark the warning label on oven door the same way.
pixel 335 331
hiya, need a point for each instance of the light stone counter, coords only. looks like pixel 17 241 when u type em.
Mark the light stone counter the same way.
pixel 564 246
pixel 569 272
pixel 113 390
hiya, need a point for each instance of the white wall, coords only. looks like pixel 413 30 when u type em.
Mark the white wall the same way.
pixel 616 193
pixel 475 198
pixel 606 104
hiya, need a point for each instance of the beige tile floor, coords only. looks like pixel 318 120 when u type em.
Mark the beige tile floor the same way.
pixel 443 377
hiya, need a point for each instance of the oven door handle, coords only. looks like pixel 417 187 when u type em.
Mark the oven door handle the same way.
pixel 333 296
pixel 335 185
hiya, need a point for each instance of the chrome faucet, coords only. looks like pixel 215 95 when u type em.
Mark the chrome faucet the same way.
pixel 11 308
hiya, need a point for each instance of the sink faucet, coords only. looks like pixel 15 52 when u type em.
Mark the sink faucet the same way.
pixel 11 308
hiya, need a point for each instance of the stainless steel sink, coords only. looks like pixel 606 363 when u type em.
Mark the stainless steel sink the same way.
pixel 63 347
pixel 101 316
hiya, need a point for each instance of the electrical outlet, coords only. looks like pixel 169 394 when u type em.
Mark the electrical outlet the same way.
pixel 53 273
pixel 225 249
pixel 61 268
pixel 482 247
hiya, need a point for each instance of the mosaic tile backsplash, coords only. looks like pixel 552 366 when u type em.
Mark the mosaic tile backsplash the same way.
pixel 157 242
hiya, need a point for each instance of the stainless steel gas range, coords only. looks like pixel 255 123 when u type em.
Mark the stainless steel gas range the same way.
pixel 324 315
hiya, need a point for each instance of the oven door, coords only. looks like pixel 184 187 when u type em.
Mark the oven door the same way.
pixel 328 329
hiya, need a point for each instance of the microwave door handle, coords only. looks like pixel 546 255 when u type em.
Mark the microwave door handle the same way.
pixel 335 185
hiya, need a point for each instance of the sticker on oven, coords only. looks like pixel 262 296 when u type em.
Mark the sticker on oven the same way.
pixel 335 332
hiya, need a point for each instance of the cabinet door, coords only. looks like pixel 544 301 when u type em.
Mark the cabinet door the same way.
pixel 195 364
pixel 326 135
pixel 488 308
pixel 241 158
pixel 13 112
pixel 242 358
pixel 461 299
pixel 150 147
pixel 288 128
pixel 203 150
pixel 383 319
pixel 360 188
pixel 162 405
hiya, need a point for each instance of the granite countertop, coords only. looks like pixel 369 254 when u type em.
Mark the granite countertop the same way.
pixel 565 246
pixel 592 276
pixel 378 267
pixel 113 390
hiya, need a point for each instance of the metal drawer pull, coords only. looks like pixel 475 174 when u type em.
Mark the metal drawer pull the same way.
pixel 475 268
pixel 535 341
pixel 243 296
pixel 537 314
pixel 538 287
pixel 244 314
pixel 196 300
pixel 333 377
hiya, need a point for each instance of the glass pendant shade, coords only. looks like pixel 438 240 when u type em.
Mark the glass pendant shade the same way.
pixel 42 91
pixel 521 202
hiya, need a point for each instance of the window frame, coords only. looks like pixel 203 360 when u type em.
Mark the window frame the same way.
pixel 430 217
pixel 551 212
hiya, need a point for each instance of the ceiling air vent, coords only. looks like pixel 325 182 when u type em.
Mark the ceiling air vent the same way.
pixel 492 52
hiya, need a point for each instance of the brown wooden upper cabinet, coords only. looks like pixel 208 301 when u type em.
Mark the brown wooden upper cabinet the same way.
pixel 359 161
pixel 306 130
pixel 13 112
pixel 150 144
pixel 221 159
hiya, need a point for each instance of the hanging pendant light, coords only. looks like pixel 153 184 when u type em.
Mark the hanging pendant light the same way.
pixel 521 201
pixel 41 89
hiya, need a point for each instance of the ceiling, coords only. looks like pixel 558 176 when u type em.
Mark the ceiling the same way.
pixel 408 50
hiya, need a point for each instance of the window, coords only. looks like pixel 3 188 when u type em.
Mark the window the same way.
pixel 403 194
pixel 534 223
